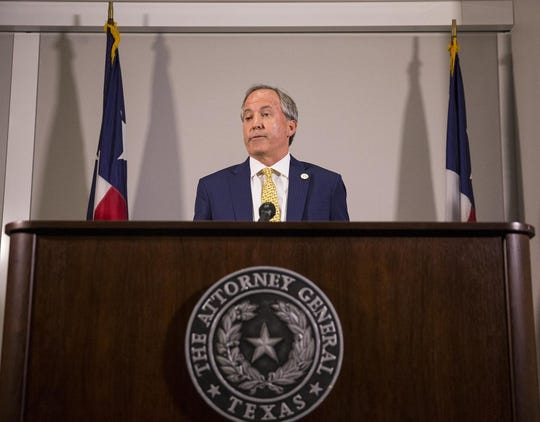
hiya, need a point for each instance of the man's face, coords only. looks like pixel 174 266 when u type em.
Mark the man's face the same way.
pixel 266 129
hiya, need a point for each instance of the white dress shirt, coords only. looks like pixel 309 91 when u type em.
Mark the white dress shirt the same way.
pixel 281 179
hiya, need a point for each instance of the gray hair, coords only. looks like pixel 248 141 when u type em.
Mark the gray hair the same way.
pixel 288 106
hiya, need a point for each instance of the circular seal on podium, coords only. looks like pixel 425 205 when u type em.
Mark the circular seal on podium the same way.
pixel 264 343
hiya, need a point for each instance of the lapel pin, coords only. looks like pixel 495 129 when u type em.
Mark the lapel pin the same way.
pixel 304 176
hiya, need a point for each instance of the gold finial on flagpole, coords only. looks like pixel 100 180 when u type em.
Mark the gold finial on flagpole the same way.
pixel 111 26
pixel 111 13
pixel 453 47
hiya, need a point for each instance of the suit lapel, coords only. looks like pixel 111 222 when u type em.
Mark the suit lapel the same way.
pixel 240 190
pixel 299 179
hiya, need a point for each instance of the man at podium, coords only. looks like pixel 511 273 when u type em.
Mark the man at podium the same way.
pixel 271 185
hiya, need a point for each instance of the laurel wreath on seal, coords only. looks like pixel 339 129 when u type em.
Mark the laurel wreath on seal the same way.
pixel 237 368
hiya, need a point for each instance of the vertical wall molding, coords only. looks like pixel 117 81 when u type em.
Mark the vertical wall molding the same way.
pixel 20 147
pixel 512 196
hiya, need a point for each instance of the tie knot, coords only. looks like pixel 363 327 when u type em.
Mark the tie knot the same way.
pixel 267 171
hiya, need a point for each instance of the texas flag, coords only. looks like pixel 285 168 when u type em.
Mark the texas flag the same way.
pixel 108 196
pixel 459 190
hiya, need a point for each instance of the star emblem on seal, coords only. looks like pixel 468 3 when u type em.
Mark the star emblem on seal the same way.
pixel 264 343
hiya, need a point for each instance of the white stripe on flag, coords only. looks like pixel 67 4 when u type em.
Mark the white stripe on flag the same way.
pixel 453 209
pixel 458 205
pixel 102 187
pixel 466 207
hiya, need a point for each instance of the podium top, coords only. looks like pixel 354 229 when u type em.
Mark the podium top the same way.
pixel 268 229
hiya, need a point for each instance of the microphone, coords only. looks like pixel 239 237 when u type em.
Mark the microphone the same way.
pixel 266 211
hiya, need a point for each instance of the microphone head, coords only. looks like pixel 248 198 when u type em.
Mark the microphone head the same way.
pixel 267 211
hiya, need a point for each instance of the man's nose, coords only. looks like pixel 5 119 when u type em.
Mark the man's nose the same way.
pixel 257 122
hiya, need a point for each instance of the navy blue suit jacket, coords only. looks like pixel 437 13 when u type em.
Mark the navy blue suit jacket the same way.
pixel 226 194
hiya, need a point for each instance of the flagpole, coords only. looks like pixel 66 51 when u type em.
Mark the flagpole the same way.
pixel 111 13
pixel 453 47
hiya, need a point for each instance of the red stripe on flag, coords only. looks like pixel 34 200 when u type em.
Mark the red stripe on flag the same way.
pixel 111 207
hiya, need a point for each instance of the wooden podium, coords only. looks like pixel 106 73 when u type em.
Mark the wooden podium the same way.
pixel 437 318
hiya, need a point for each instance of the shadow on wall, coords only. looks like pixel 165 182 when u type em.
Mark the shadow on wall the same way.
pixel 416 201
pixel 63 179
pixel 158 195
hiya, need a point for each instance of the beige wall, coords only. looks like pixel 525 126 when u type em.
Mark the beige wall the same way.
pixel 372 106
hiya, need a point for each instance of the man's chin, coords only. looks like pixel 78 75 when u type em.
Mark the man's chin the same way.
pixel 256 153
pixel 257 148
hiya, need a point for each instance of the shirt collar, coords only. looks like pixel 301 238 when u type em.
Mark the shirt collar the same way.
pixel 282 166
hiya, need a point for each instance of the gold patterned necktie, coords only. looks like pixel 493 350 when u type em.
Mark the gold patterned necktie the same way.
pixel 269 192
